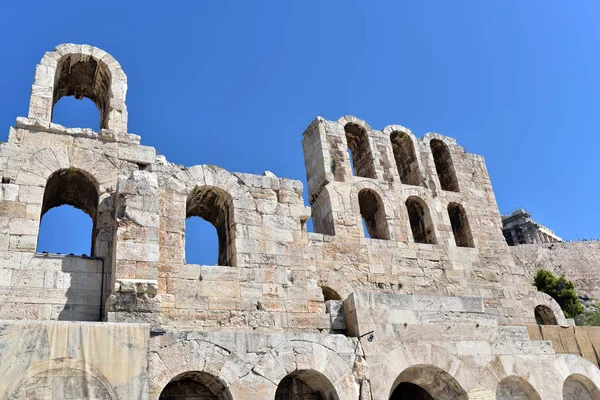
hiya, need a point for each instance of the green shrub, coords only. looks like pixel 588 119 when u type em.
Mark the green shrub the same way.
pixel 561 290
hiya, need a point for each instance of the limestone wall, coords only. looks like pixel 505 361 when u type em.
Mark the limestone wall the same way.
pixel 73 360
pixel 578 261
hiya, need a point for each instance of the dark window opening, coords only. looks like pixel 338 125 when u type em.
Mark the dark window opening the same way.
pixel 373 214
pixel 406 159
pixel 215 206
pixel 360 151
pixel 71 187
pixel 545 316
pixel 443 165
pixel 84 77
pixel 460 225
pixel 420 221
pixel 410 391
pixel 305 385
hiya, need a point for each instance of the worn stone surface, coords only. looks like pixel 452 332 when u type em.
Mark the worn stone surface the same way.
pixel 428 299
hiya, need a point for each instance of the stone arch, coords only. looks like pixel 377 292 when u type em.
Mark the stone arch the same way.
pixel 543 302
pixel 421 223
pixel 358 144
pixel 74 187
pixel 195 385
pixel 373 214
pixel 577 375
pixel 81 379
pixel 80 71
pixel 579 387
pixel 515 387
pixel 199 360
pixel 336 282
pixel 305 385
pixel 461 228
pixel 215 206
pixel 331 362
pixel 426 382
pixel 412 358
pixel 211 190
pixel 444 165
pixel 404 145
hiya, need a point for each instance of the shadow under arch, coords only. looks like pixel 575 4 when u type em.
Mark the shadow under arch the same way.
pixel 195 385
pixel 516 387
pixel 426 382
pixel 305 385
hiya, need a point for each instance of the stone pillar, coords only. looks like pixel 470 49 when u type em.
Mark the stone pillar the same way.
pixel 135 251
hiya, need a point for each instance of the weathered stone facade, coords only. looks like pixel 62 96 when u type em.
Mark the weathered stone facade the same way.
pixel 425 302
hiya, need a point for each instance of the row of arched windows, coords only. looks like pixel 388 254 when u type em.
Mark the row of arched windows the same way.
pixel 422 382
pixel 78 189
pixel 405 157
pixel 421 225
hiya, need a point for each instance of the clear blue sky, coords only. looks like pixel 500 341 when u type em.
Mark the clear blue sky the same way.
pixel 236 83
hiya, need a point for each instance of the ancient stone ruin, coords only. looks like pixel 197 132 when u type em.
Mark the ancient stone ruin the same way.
pixel 425 302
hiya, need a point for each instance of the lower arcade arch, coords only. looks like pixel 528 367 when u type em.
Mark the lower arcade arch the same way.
pixel 305 385
pixel 516 388
pixel 426 382
pixel 195 385
pixel 579 387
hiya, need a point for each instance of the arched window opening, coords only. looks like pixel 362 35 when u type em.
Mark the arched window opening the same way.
pixel 334 306
pixel 71 187
pixel 70 112
pixel 201 242
pixel 580 387
pixel 420 221
pixel 426 382
pixel 443 165
pixel 406 159
pixel 215 206
pixel 82 76
pixel 305 385
pixel 545 316
pixel 195 386
pixel 373 214
pixel 360 151
pixel 514 387
pixel 460 225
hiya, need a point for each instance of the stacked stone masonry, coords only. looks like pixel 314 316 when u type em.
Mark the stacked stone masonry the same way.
pixel 406 289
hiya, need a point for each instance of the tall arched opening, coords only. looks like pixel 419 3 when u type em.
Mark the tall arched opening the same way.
pixel 420 220
pixel 305 385
pixel 215 206
pixel 460 225
pixel 443 165
pixel 373 214
pixel 360 150
pixel 71 187
pixel 406 159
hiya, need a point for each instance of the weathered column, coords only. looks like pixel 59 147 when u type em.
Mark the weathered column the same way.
pixel 135 251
